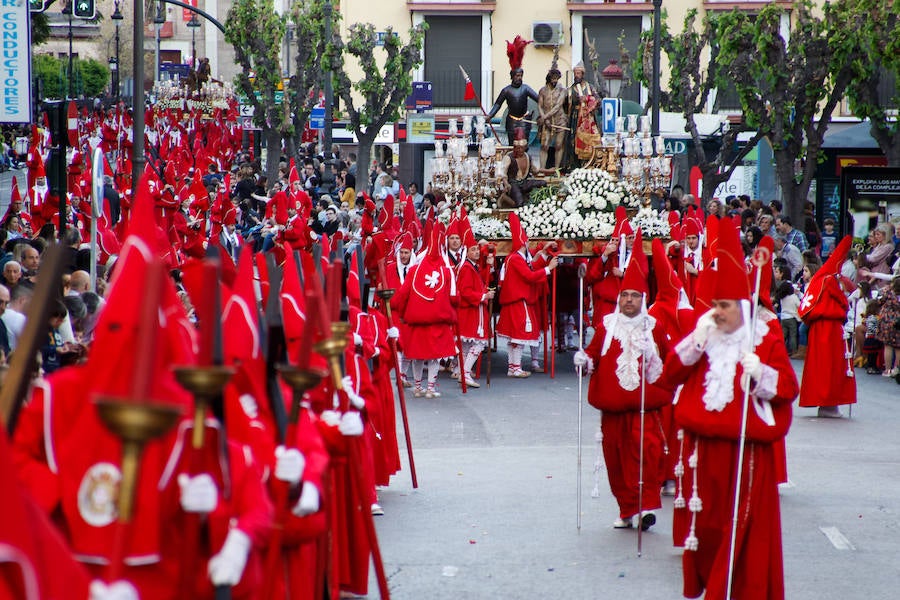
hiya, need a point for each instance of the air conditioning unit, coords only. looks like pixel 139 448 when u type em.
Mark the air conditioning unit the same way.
pixel 547 33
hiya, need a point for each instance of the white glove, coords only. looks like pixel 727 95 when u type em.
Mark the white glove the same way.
pixel 248 403
pixel 118 590
pixel 393 333
pixel 227 567
pixel 581 359
pixel 289 464
pixel 357 339
pixel 330 417
pixel 309 501
pixel 752 365
pixel 704 327
pixel 355 399
pixel 198 494
pixel 351 424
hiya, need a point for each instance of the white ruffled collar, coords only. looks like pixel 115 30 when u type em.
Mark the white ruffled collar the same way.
pixel 724 351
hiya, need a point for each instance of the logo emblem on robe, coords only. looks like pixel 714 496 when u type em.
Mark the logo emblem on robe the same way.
pixel 99 493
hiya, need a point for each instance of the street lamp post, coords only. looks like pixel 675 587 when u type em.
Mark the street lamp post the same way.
pixel 194 23
pixel 117 18
pixel 654 127
pixel 158 20
pixel 67 10
pixel 329 90
pixel 612 78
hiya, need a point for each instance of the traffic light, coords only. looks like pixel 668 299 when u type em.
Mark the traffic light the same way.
pixel 85 9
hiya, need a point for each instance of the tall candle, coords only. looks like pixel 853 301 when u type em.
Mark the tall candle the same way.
pixel 148 329
pixel 207 311
pixel 333 289
pixel 306 339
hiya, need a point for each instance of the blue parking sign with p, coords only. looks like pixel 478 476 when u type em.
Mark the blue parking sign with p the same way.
pixel 609 108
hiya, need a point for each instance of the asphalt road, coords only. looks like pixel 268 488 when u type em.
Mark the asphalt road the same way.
pixel 494 515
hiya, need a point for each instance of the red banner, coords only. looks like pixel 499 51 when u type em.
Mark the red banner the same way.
pixel 185 13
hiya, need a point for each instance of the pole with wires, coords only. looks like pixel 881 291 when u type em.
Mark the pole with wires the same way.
pixel 760 259
pixel 580 398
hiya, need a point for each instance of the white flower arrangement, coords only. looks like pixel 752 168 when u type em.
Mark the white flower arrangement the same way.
pixel 445 215
pixel 596 188
pixel 489 227
pixel 550 219
pixel 652 222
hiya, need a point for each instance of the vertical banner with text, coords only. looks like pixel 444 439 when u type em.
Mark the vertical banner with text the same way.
pixel 15 68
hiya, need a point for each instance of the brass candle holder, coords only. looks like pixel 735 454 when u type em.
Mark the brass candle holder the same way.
pixel 205 383
pixel 136 424
pixel 300 381
pixel 332 349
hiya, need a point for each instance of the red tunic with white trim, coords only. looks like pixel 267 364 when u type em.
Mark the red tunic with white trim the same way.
pixel 709 411
pixel 520 288
pixel 828 378
pixel 474 320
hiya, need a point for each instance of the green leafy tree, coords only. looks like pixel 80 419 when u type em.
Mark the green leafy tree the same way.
pixel 40 29
pixel 788 88
pixel 693 57
pixel 871 46
pixel 383 93
pixel 307 53
pixel 256 32
pixel 94 76
pixel 48 75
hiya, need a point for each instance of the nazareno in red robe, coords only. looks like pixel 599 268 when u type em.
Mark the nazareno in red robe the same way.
pixel 708 455
pixel 827 381
pixel 620 423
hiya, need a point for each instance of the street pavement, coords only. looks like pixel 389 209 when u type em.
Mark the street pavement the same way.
pixel 494 516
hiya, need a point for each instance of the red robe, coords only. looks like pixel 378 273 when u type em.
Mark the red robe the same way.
pixel 714 434
pixel 825 372
pixel 620 421
pixel 425 301
pixel 520 290
pixel 382 417
pixel 474 320
pixel 604 286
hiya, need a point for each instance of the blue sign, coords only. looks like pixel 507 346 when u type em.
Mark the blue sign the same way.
pixel 317 118
pixel 609 108
pixel 422 97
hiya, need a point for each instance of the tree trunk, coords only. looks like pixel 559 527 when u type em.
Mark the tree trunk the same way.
pixel 272 138
pixel 791 198
pixel 712 179
pixel 364 154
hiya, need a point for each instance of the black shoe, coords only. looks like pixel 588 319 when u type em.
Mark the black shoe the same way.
pixel 648 520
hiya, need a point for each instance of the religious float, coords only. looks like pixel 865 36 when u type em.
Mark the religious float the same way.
pixel 628 169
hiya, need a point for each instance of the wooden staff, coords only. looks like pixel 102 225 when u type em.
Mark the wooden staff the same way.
pixel 332 349
pixel 580 396
pixel 24 360
pixel 386 295
pixel 487 372
pixel 553 332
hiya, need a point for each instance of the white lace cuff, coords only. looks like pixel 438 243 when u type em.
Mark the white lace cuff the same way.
pixel 688 351
pixel 767 386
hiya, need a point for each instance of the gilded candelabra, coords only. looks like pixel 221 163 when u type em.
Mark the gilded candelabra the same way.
pixel 464 178
pixel 635 158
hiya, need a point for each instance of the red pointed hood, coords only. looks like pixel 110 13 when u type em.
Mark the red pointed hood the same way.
pixel 637 271
pixel 765 277
pixel 668 285
pixel 623 227
pixel 731 269
pixel 519 237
